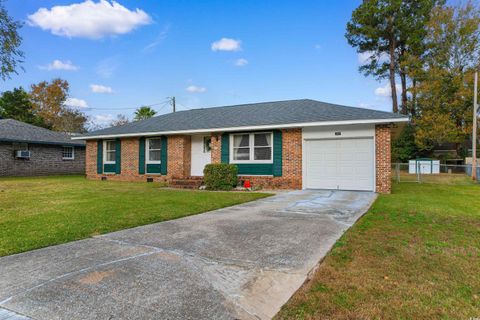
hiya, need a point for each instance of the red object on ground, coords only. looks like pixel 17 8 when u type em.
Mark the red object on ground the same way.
pixel 246 184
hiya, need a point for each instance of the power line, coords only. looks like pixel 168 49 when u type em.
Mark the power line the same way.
pixel 170 101
pixel 130 108
pixel 183 106
pixel 161 108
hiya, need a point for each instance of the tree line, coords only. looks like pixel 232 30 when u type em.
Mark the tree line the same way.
pixel 428 51
pixel 45 105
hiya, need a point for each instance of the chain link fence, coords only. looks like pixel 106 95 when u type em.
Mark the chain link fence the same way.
pixel 422 172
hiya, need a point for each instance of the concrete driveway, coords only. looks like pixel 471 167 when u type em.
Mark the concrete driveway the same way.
pixel 242 262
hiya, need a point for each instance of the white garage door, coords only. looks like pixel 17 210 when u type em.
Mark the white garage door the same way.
pixel 344 164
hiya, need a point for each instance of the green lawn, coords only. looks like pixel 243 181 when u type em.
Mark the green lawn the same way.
pixel 39 212
pixel 414 255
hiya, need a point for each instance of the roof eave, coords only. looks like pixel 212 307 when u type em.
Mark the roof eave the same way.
pixel 53 143
pixel 243 128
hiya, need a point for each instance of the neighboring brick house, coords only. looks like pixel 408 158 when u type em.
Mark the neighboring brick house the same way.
pixel 27 150
pixel 297 144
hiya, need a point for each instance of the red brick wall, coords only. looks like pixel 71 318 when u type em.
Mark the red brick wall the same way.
pixel 129 167
pixel 383 159
pixel 179 156
pixel 179 160
pixel 292 157
pixel 216 147
pixel 291 164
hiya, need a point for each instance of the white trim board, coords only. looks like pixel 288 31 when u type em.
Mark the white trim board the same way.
pixel 246 128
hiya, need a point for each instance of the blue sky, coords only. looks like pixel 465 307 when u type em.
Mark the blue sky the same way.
pixel 272 50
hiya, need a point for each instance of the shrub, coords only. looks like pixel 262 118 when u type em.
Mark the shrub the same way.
pixel 220 176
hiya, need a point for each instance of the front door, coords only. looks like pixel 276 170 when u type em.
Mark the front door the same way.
pixel 201 155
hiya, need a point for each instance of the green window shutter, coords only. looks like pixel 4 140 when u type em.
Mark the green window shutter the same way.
pixel 99 156
pixel 225 154
pixel 141 156
pixel 277 153
pixel 118 156
pixel 164 156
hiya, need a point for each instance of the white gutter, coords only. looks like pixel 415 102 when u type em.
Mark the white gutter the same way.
pixel 245 128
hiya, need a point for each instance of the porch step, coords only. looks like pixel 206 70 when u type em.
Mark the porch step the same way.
pixel 187 183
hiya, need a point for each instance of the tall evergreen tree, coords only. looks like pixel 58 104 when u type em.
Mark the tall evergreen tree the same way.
pixel 386 30
pixel 16 105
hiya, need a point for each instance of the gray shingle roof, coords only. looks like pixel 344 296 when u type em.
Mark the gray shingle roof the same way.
pixel 17 131
pixel 255 114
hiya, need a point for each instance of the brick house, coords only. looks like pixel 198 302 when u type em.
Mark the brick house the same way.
pixel 27 150
pixel 297 144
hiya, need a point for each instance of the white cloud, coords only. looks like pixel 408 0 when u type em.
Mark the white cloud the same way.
pixel 60 65
pixel 76 103
pixel 195 89
pixel 98 88
pixel 226 44
pixel 89 19
pixel 318 47
pixel 364 57
pixel 241 62
pixel 386 90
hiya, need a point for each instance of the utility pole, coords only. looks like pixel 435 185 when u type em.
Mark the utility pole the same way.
pixel 173 104
pixel 474 133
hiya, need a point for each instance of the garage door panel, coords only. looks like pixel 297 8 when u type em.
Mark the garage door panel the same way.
pixel 345 164
pixel 330 157
pixel 347 156
pixel 362 156
pixel 363 143
pixel 346 171
pixel 327 183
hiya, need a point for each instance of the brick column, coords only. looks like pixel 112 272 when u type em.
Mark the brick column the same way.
pixel 383 159
pixel 187 156
pixel 292 158
pixel 91 159
pixel 130 154
pixel 216 145
pixel 179 156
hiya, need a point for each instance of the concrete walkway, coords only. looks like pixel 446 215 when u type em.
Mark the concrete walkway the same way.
pixel 242 262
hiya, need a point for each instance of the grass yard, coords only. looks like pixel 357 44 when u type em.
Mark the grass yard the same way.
pixel 414 255
pixel 40 212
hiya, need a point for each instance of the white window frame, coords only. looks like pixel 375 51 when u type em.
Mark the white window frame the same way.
pixel 105 152
pixel 73 153
pixel 251 147
pixel 147 151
